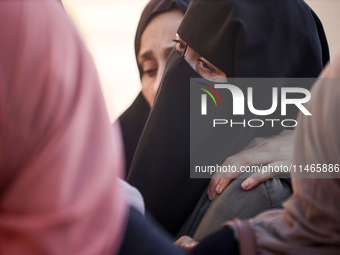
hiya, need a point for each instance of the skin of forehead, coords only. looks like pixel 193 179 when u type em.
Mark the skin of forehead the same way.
pixel 160 32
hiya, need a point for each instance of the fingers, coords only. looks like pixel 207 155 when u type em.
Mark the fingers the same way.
pixel 217 186
pixel 252 157
pixel 219 182
pixel 260 151
pixel 260 177
pixel 186 243
pixel 253 181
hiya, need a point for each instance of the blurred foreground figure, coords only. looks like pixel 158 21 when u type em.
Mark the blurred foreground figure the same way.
pixel 59 158
pixel 309 223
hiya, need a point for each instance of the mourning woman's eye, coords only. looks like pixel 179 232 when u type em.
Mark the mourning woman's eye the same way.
pixel 150 72
pixel 180 47
pixel 204 66
pixel 179 44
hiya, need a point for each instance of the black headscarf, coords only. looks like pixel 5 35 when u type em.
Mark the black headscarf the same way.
pixel 259 38
pixel 153 8
pixel 134 118
pixel 243 38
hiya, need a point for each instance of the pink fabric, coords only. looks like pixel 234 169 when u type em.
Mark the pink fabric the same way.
pixel 309 223
pixel 59 159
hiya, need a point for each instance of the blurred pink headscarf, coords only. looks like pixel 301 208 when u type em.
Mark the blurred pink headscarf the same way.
pixel 309 223
pixel 59 159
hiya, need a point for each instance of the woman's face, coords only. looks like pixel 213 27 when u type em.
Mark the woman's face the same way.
pixel 202 66
pixel 156 44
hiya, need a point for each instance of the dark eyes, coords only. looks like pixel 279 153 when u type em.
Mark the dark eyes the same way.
pixel 150 72
pixel 205 66
pixel 199 62
pixel 180 47
pixel 179 44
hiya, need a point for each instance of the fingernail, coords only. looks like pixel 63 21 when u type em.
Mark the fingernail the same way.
pixel 209 194
pixel 193 243
pixel 218 189
pixel 245 185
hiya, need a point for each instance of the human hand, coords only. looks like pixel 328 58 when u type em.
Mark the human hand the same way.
pixel 186 243
pixel 273 150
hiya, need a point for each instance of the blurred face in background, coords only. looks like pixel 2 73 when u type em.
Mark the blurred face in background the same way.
pixel 156 44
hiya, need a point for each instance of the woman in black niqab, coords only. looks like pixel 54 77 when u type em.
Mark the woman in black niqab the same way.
pixel 133 120
pixel 243 38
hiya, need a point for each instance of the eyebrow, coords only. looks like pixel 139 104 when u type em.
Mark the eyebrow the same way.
pixel 148 54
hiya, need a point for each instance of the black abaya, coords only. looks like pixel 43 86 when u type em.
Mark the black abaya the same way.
pixel 243 38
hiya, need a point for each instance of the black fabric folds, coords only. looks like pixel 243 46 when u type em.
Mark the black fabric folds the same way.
pixel 244 38
pixel 160 167
pixel 134 118
pixel 258 38
pixel 132 122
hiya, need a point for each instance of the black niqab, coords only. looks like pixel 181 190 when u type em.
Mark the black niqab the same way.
pixel 243 38
pixel 258 38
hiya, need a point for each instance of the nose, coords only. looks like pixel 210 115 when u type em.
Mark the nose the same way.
pixel 158 80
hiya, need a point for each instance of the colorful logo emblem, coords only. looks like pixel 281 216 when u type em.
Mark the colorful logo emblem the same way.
pixel 204 97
